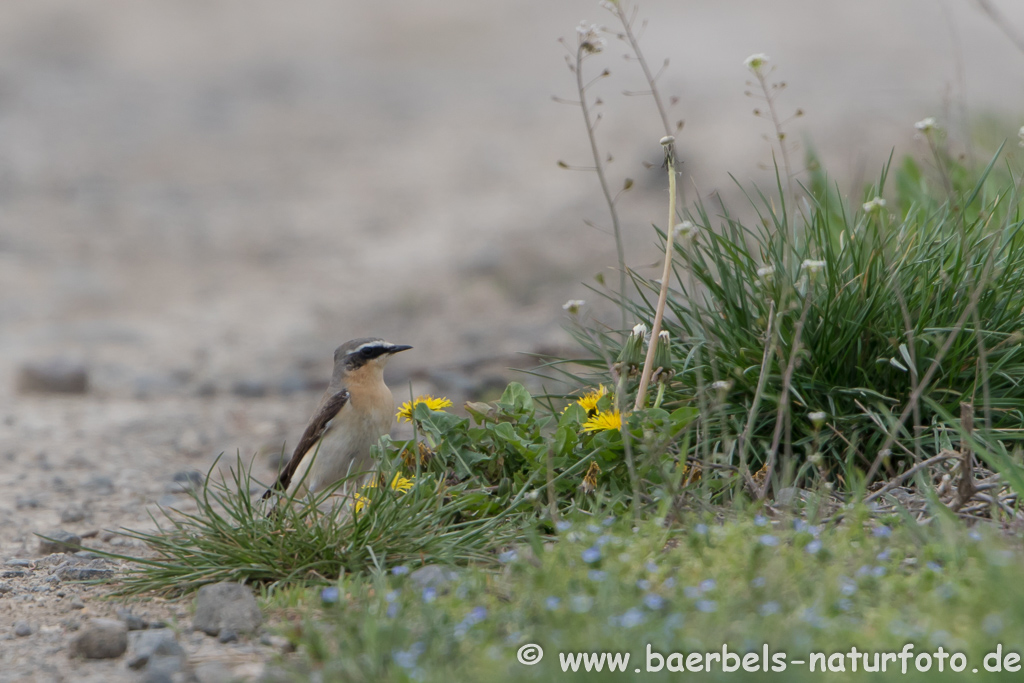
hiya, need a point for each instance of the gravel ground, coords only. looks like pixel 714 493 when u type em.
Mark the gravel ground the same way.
pixel 199 201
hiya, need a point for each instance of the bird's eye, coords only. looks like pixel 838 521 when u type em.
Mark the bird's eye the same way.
pixel 366 353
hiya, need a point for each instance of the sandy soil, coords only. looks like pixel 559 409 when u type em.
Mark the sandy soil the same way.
pixel 200 201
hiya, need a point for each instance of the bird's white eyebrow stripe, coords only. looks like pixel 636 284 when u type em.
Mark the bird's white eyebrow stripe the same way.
pixel 370 345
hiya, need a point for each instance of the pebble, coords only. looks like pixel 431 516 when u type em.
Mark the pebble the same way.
pixel 18 562
pixel 63 542
pixel 13 574
pixel 155 643
pixel 187 480
pixel 226 606
pixel 22 502
pixel 22 629
pixel 72 514
pixel 132 621
pixel 99 485
pixel 101 639
pixel 56 376
pixel 5 588
pixel 76 603
pixel 249 388
pixel 73 573
pixel 226 635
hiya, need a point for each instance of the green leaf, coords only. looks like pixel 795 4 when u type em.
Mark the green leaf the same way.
pixel 518 398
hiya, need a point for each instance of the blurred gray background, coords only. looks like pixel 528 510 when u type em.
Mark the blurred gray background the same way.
pixel 195 195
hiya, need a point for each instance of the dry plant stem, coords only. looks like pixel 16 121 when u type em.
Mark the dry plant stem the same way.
pixel 628 446
pixel 748 430
pixel 779 135
pixel 787 380
pixel 599 169
pixel 634 44
pixel 552 504
pixel 965 489
pixel 915 395
pixel 659 312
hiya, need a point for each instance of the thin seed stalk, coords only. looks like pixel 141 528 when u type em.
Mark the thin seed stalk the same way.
pixel 659 313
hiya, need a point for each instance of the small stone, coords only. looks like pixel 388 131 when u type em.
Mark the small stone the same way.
pixel 101 639
pixel 77 573
pixel 187 480
pixel 22 629
pixel 249 388
pixel 18 562
pixel 99 485
pixel 433 576
pixel 88 555
pixel 226 606
pixel 132 621
pixel 62 542
pixel 53 377
pixel 72 514
pixel 5 588
pixel 226 635
pixel 13 574
pixel 76 603
pixel 23 502
pixel 277 642
pixel 214 672
pixel 155 643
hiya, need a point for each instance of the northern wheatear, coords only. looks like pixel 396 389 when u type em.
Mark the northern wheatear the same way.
pixel 355 411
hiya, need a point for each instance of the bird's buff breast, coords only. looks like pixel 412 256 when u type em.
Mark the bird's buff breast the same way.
pixel 345 447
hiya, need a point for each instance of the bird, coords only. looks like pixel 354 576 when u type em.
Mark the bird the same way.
pixel 355 411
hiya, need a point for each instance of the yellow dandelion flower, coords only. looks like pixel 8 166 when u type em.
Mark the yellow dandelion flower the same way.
pixel 398 483
pixel 588 401
pixel 405 413
pixel 603 421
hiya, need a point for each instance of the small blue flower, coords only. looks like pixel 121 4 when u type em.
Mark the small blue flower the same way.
pixel 670 582
pixel 707 585
pixel 643 584
pixel 878 572
pixel 608 521
pixel 407 658
pixel 632 617
pixel 844 604
pixel 601 540
pixel 392 610
pixel 760 520
pixel 651 566
pixel 768 608
pixel 934 566
pixel 706 606
pixel 974 535
pixel 653 601
pixel 429 594
pixel 881 531
pixel 758 582
pixel 391 596
pixel 563 525
pixel 400 570
pixel 593 528
pixel 508 556
pixel 552 602
pixel 701 529
pixel 847 586
pixel 768 540
pixel 591 555
pixel 692 592
pixel 476 615
pixel 883 556
pixel 329 595
pixel 581 603
pixel 799 525
pixel 813 548
pixel 864 571
pixel 597 575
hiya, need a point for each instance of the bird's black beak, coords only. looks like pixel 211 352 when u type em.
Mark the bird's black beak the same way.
pixel 395 348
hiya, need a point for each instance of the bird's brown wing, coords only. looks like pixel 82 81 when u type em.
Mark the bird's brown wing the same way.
pixel 313 432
